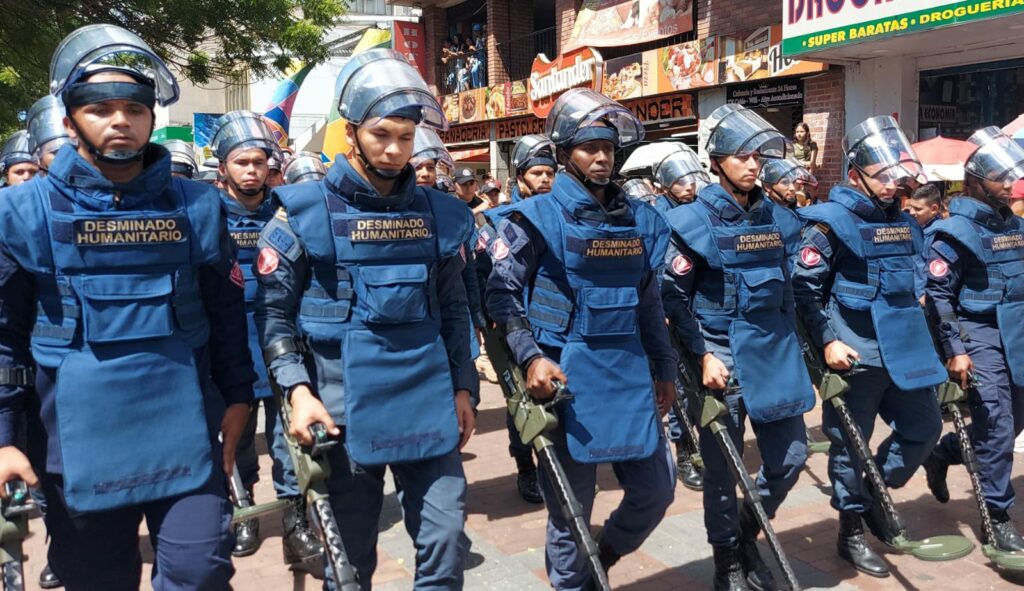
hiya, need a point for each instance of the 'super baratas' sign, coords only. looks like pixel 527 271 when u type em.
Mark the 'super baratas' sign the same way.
pixel 814 25
pixel 548 79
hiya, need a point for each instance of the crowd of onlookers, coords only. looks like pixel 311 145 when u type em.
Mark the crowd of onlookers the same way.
pixel 465 60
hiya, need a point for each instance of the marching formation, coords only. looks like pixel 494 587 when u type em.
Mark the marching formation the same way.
pixel 146 315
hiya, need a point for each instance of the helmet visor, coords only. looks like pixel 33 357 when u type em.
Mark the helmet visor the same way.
pixel 677 165
pixel 181 152
pixel 740 132
pixel 46 123
pixel 242 130
pixel 879 149
pixel 381 83
pixel 529 147
pixel 998 158
pixel 16 150
pixel 786 172
pixel 109 45
pixel 580 108
pixel 638 189
pixel 304 167
pixel 428 146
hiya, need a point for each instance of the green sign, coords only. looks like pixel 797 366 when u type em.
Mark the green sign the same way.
pixel 808 27
pixel 171 133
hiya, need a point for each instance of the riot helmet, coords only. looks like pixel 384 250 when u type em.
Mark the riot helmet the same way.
pixel 242 130
pixel 183 158
pixel 445 184
pixel 46 131
pixel 304 167
pixel 380 83
pixel 734 130
pixel 15 151
pixel 638 190
pixel 575 116
pixel 996 158
pixel 533 150
pixel 428 146
pixel 789 174
pixel 878 149
pixel 681 168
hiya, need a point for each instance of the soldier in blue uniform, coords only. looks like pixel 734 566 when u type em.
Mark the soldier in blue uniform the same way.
pixel 925 206
pixel 975 298
pixel 183 158
pixel 304 167
pixel 123 309
pixel 586 258
pixel 639 189
pixel 783 178
pixel 46 132
pixel 728 297
pixel 681 177
pixel 243 143
pixel 17 162
pixel 362 314
pixel 855 283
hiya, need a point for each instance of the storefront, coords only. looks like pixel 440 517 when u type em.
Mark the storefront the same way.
pixel 942 67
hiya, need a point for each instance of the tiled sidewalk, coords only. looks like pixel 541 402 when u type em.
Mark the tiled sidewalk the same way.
pixel 508 534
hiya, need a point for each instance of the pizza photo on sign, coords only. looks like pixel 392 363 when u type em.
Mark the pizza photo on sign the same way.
pixel 614 23
pixel 495 108
pixel 624 77
pixel 450 104
pixel 687 65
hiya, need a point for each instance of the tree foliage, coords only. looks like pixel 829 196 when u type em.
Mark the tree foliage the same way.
pixel 207 40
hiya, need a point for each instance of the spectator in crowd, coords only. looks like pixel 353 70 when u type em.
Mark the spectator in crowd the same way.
pixel 925 204
pixel 460 48
pixel 478 58
pixel 491 192
pixel 448 61
pixel 805 149
pixel 805 197
pixel 465 189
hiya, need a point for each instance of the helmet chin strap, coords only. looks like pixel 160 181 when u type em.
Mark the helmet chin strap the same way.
pixel 383 173
pixel 735 188
pixel 588 182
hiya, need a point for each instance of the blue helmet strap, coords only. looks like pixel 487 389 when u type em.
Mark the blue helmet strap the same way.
pixel 386 174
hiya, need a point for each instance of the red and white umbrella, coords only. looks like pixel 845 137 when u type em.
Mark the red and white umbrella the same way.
pixel 943 158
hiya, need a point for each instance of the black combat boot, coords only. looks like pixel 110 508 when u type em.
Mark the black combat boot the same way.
pixel 728 571
pixel 689 475
pixel 48 580
pixel 526 481
pixel 247 535
pixel 759 576
pixel 935 469
pixel 1007 538
pixel 854 548
pixel 301 548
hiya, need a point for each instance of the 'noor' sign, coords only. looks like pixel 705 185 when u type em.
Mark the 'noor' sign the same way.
pixel 580 68
pixel 814 25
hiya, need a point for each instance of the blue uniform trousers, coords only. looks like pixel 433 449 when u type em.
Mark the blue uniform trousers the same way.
pixel 191 535
pixel 997 417
pixel 783 447
pixel 433 497
pixel 247 458
pixel 916 423
pixel 649 488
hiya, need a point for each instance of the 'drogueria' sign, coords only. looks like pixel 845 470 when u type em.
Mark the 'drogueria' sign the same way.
pixel 580 68
pixel 815 25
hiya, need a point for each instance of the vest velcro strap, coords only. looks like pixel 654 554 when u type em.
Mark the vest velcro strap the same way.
pixel 865 292
pixel 546 284
pixel 319 293
pixel 311 310
pixel 558 303
pixel 516 324
pixel 543 316
pixel 283 347
pixel 49 331
pixel 17 376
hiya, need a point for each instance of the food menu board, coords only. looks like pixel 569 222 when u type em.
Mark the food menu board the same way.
pixel 624 77
pixel 615 23
pixel 471 105
pixel 494 105
pixel 516 99
pixel 450 104
pixel 682 67
pixel 758 55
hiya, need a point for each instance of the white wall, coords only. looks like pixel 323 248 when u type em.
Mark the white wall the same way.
pixel 883 86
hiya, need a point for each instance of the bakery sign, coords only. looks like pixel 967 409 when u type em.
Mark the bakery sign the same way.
pixel 580 68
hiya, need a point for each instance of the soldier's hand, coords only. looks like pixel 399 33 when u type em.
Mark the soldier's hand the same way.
pixel 307 410
pixel 15 466
pixel 715 374
pixel 664 394
pixel 466 416
pixel 231 427
pixel 961 368
pixel 539 375
pixel 838 354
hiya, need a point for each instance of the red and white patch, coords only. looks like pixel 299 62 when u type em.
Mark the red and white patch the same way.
pixel 267 261
pixel 938 268
pixel 681 265
pixel 481 242
pixel 810 257
pixel 236 275
pixel 499 249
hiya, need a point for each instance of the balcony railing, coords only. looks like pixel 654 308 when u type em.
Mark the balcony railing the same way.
pixel 517 54
pixel 455 73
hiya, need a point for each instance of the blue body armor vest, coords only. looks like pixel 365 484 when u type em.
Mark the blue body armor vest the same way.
pixel 741 295
pixel 119 315
pixel 245 227
pixel 996 287
pixel 789 224
pixel 373 294
pixel 880 278
pixel 583 305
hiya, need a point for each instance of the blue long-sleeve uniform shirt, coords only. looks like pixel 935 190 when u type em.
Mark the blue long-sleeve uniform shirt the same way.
pixel 225 356
pixel 513 274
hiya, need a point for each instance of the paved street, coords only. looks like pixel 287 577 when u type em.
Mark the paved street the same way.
pixel 508 535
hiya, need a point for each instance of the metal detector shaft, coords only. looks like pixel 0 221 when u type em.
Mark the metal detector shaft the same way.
pixel 713 416
pixel 534 422
pixel 971 464
pixel 13 530
pixel 689 433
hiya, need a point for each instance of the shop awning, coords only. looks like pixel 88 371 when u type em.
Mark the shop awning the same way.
pixel 471 155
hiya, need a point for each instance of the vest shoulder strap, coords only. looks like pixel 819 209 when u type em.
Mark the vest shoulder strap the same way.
pixel 206 215
pixel 962 231
pixel 654 229
pixel 840 220
pixel 692 223
pixel 309 217
pixel 452 220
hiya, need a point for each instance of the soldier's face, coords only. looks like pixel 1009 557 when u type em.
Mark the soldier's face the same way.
pixel 387 144
pixel 114 125
pixel 596 159
pixel 21 172
pixel 683 191
pixel 275 178
pixel 247 169
pixel 426 173
pixel 785 191
pixel 921 210
pixel 540 179
pixel 741 170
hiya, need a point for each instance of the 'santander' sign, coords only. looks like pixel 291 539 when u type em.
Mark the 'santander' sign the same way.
pixel 814 25
pixel 580 68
